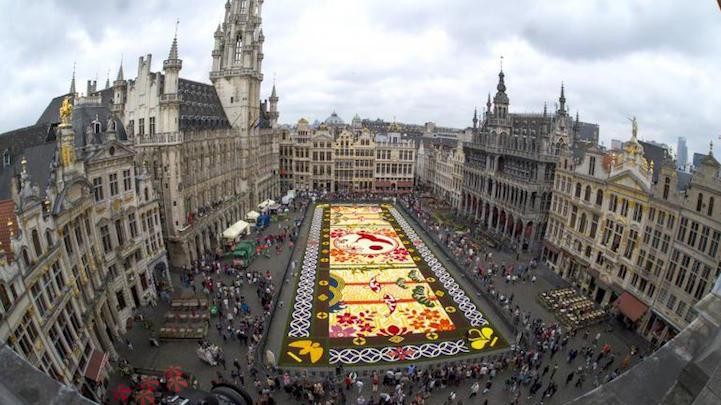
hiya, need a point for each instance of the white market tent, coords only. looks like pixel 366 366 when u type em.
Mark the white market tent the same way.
pixel 265 204
pixel 236 229
pixel 252 215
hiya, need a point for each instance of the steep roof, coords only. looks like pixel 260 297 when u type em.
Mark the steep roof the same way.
pixel 51 114
pixel 656 154
pixel 201 107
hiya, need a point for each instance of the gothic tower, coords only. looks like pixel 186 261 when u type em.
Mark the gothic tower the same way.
pixel 237 62
pixel 169 100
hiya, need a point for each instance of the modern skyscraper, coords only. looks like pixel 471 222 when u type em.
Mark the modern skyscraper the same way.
pixel 681 154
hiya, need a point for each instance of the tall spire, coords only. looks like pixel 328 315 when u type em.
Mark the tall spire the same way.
pixel 174 47
pixel 475 117
pixel 488 102
pixel 120 70
pixel 273 94
pixel 545 109
pixel 107 80
pixel 72 82
pixel 562 99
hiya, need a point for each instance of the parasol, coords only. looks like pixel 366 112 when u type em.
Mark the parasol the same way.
pixel 149 383
pixel 145 397
pixel 177 384
pixel 121 393
pixel 173 371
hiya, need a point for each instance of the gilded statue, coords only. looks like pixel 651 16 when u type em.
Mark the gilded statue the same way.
pixel 66 112
pixel 634 127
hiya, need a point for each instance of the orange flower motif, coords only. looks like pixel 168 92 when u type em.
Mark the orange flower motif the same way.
pixel 431 314
pixel 442 325
pixel 418 323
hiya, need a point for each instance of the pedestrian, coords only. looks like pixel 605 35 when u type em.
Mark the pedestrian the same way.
pixel 569 377
pixel 474 389
pixel 359 386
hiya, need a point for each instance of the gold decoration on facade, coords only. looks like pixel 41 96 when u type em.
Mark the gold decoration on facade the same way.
pixel 67 154
pixel 66 112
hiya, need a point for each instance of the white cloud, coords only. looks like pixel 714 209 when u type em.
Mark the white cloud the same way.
pixel 417 60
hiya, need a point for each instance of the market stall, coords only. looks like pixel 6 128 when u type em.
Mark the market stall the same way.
pixel 236 230
pixel 252 216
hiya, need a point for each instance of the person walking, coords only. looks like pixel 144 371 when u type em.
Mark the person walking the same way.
pixel 474 389
pixel 570 377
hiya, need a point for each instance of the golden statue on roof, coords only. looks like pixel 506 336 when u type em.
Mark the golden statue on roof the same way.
pixel 66 112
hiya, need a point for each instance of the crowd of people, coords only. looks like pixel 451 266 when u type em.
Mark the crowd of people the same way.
pixel 548 357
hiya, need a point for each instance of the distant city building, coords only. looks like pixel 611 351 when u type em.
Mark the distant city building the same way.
pixel 616 144
pixel 682 154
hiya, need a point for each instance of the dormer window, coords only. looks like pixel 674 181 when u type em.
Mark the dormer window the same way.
pixel 6 158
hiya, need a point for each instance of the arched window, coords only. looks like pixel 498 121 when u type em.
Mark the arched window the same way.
pixel 6 158
pixel 582 224
pixel 36 243
pixel 5 298
pixel 48 238
pixel 599 197
pixel 699 202
pixel 238 49
pixel 97 127
pixel 587 194
pixel 666 187
pixel 710 206
pixel 578 190
pixel 26 258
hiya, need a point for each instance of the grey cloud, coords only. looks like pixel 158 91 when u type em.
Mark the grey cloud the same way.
pixel 656 59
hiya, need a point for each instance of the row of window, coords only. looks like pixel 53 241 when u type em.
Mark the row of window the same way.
pixel 141 126
pixel 698 236
pixel 99 189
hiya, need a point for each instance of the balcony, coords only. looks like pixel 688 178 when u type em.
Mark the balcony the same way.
pixel 164 138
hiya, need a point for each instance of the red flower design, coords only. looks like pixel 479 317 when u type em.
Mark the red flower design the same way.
pixel 365 327
pixel 347 318
pixel 394 330
pixel 401 353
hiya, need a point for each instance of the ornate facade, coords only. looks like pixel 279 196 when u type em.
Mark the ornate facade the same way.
pixel 632 241
pixel 88 247
pixel 510 165
pixel 341 158
pixel 211 149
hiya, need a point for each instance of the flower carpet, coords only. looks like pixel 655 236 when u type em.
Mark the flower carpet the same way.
pixel 370 291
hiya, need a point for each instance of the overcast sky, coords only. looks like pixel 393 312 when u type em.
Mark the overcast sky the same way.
pixel 416 60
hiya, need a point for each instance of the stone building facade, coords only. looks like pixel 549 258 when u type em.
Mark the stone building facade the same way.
pixel 88 247
pixel 345 158
pixel 509 169
pixel 439 168
pixel 637 235
pixel 211 149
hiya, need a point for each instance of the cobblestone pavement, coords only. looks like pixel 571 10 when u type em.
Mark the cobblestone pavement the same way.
pixel 183 353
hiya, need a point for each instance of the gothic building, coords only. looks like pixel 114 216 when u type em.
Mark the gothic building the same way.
pixel 211 149
pixel 509 168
